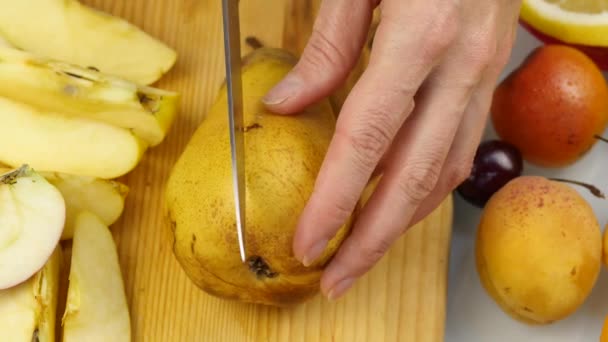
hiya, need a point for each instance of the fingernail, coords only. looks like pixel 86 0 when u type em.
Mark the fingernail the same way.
pixel 282 91
pixel 314 252
pixel 340 288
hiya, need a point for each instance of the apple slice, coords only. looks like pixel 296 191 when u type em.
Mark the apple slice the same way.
pixel 55 86
pixel 104 198
pixel 53 142
pixel 47 295
pixel 28 311
pixel 69 31
pixel 96 308
pixel 32 215
pixel 62 296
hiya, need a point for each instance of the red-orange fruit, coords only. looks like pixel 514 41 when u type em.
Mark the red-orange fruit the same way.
pixel 552 106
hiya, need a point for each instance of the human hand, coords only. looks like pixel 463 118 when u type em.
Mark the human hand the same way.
pixel 444 56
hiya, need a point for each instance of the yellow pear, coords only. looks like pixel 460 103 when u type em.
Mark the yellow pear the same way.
pixel 283 157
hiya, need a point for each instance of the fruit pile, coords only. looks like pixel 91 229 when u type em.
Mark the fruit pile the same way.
pixel 539 243
pixel 77 111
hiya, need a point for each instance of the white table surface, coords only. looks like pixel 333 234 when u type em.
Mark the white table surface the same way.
pixel 472 316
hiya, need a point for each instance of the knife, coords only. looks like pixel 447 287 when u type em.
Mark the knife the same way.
pixel 232 48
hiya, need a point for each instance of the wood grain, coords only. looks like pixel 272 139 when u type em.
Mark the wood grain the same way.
pixel 402 299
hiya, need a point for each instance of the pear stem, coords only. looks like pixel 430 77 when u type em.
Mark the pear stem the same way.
pixel 601 138
pixel 595 191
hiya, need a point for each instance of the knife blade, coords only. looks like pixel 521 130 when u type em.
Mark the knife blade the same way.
pixel 232 48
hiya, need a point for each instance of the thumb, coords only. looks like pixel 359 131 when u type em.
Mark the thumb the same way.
pixel 338 36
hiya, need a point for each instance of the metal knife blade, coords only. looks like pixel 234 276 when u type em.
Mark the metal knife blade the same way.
pixel 232 48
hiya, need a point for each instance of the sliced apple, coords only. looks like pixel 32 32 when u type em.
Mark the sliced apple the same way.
pixel 18 313
pixel 28 311
pixel 32 215
pixel 96 308
pixel 104 198
pixel 62 296
pixel 69 31
pixel 60 87
pixel 47 290
pixel 53 142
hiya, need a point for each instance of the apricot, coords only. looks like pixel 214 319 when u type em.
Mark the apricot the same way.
pixel 605 247
pixel 538 249
pixel 552 106
pixel 604 333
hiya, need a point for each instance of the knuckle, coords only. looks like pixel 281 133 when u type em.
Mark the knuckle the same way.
pixel 477 53
pixel 373 133
pixel 371 253
pixel 322 54
pixel 369 144
pixel 442 32
pixel 438 30
pixel 482 51
pixel 501 58
pixel 339 212
pixel 458 172
pixel 420 178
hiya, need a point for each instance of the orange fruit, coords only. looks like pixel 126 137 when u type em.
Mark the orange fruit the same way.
pixel 552 106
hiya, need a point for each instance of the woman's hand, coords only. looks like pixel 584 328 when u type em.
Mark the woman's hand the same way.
pixel 420 108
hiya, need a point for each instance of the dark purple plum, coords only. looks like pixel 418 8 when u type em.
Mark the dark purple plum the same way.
pixel 496 163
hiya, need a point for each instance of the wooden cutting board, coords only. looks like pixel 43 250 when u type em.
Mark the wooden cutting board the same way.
pixel 402 299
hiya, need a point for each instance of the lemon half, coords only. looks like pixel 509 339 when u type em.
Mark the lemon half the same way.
pixel 583 22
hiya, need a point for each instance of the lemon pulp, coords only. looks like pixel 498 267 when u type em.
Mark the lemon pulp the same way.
pixel 573 21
